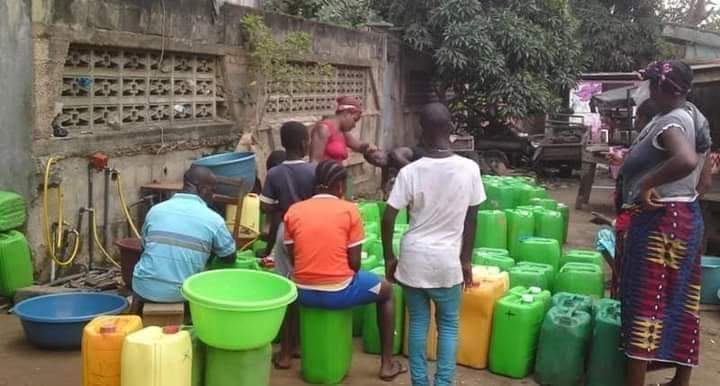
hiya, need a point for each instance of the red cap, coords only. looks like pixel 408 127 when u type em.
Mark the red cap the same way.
pixel 171 330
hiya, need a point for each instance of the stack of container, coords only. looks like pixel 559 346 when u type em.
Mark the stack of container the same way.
pixel 540 216
pixel 16 269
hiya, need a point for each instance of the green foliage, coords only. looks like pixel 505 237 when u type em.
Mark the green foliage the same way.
pixel 272 57
pixel 346 13
pixel 619 35
pixel 276 61
pixel 304 8
pixel 693 13
pixel 501 59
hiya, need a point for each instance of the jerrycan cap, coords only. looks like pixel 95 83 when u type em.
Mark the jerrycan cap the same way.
pixel 527 298
pixel 535 290
pixel 107 328
pixel 169 330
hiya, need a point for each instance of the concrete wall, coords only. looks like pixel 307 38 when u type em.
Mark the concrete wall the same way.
pixel 15 96
pixel 160 153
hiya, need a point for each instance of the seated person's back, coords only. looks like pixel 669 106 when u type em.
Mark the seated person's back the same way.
pixel 179 236
pixel 321 230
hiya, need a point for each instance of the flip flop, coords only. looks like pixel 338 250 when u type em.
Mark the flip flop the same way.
pixel 400 369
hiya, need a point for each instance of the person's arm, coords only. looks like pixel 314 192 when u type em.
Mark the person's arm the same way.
pixel 682 162
pixel 269 206
pixel 290 254
pixel 355 257
pixel 356 238
pixel 400 198
pixel 705 183
pixel 224 245
pixel 386 233
pixel 356 145
pixel 274 216
pixel 477 197
pixel 468 242
pixel 318 141
pixel 289 240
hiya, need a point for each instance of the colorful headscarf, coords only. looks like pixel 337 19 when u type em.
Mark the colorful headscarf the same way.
pixel 668 77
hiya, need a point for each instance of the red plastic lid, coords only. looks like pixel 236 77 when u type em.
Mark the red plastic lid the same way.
pixel 107 329
pixel 171 330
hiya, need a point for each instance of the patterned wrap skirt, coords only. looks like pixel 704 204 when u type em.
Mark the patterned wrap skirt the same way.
pixel 660 285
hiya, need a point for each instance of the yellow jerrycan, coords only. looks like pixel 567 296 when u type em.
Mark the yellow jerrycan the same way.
pixel 476 315
pixel 157 356
pixel 102 344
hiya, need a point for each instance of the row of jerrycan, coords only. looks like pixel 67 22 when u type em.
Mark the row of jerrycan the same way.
pixel 574 330
pixel 118 351
pixel 509 192
pixel 506 229
pixel 540 264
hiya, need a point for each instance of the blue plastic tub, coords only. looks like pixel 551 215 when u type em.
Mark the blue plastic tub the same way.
pixel 710 282
pixel 233 165
pixel 57 321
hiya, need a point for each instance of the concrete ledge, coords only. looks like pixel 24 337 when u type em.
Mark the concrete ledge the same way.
pixel 140 140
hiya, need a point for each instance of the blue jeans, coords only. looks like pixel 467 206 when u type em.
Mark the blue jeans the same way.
pixel 447 316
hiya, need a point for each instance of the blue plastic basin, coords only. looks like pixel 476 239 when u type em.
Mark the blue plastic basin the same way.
pixel 57 321
pixel 233 165
pixel 710 282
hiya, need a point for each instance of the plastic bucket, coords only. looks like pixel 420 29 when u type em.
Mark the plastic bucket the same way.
pixel 232 165
pixel 710 282
pixel 252 301
pixel 57 321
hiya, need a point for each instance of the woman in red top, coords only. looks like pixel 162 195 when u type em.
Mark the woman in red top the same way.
pixel 331 138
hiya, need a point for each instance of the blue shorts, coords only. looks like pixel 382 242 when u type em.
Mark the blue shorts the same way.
pixel 363 289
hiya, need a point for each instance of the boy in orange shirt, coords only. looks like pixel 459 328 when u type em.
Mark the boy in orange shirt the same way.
pixel 324 237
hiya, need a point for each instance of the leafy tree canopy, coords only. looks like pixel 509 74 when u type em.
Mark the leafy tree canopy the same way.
pixel 617 35
pixel 694 13
pixel 501 59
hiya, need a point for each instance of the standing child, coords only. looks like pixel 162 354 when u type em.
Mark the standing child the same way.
pixel 324 236
pixel 287 183
pixel 442 192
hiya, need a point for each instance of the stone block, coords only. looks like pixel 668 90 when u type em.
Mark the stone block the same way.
pixel 104 15
pixel 133 18
pixel 70 12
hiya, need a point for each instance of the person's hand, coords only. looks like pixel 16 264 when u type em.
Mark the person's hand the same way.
pixel 467 276
pixel 390 268
pixel 614 158
pixel 649 197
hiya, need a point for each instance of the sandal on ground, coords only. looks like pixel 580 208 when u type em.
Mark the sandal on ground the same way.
pixel 398 368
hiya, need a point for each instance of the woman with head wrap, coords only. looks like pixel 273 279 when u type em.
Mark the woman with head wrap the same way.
pixel 331 138
pixel 660 281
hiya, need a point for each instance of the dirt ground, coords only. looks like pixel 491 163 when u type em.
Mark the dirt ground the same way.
pixel 22 365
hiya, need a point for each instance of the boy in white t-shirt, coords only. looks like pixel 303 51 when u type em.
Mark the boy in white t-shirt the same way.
pixel 442 192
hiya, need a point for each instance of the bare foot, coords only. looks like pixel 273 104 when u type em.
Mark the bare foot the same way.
pixel 390 372
pixel 282 362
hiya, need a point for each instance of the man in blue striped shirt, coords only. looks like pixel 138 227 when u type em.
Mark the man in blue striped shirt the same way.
pixel 179 236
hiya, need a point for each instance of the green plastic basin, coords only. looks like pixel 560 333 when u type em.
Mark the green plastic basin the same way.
pixel 238 309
